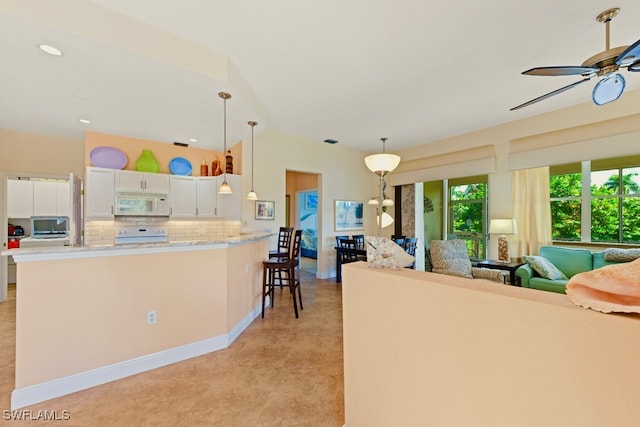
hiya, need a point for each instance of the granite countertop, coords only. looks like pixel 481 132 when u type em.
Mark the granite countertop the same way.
pixel 65 252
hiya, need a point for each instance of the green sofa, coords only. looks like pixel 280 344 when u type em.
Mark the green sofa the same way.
pixel 569 261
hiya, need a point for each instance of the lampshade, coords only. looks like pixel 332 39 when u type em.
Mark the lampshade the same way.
pixel 225 188
pixel 503 226
pixel 387 202
pixel 382 163
pixel 373 201
pixel 387 220
pixel 252 194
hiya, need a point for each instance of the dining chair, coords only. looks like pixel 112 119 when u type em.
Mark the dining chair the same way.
pixel 399 240
pixel 338 238
pixel 284 243
pixel 349 251
pixel 410 244
pixel 283 272
pixel 359 238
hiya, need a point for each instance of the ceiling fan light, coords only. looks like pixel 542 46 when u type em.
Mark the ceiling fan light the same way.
pixel 608 89
pixel 635 67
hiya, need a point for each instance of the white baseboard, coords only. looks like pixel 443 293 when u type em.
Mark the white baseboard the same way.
pixel 70 384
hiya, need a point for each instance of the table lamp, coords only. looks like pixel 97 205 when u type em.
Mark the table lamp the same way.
pixel 502 227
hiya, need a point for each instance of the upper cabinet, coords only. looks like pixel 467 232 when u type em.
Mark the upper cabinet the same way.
pixel 132 181
pixel 37 197
pixel 51 198
pixel 19 198
pixel 198 197
pixel 229 206
pixel 99 193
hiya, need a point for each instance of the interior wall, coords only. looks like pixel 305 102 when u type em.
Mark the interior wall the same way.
pixel 41 155
pixel 342 175
pixel 477 353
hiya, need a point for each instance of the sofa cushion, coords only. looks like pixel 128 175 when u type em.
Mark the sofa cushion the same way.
pixel 544 267
pixel 569 261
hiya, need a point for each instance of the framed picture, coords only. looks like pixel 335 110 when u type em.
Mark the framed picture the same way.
pixel 348 215
pixel 265 209
pixel 311 201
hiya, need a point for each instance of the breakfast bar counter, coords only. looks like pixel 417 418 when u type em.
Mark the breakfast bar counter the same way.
pixel 90 315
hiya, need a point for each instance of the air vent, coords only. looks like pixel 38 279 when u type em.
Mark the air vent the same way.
pixel 330 141
pixel 180 144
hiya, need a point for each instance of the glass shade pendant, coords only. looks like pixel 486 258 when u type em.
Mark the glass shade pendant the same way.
pixel 225 188
pixel 387 220
pixel 252 194
pixel 383 163
pixel 608 89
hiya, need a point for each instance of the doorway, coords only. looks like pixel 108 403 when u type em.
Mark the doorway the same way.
pixel 302 188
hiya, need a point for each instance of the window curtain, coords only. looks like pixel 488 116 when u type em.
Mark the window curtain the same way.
pixel 531 209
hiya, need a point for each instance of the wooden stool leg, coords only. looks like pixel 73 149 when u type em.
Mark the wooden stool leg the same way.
pixel 264 287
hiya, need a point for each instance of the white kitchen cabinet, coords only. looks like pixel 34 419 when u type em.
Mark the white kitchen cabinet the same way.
pixel 193 197
pixel 51 197
pixel 99 193
pixel 183 196
pixel 132 181
pixel 229 206
pixel 19 198
pixel 206 201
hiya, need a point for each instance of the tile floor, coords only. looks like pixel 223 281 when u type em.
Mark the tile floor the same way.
pixel 281 371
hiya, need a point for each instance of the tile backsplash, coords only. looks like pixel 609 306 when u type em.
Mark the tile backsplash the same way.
pixel 102 233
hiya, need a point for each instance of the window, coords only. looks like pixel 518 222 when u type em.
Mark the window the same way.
pixel 468 213
pixel 599 203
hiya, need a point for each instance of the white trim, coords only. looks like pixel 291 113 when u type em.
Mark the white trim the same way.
pixel 70 384
pixel 455 170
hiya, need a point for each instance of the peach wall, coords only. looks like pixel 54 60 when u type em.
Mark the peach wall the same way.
pixel 77 315
pixel 428 349
pixel 41 155
pixel 163 152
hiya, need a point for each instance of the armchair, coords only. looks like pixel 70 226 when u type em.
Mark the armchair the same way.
pixel 451 257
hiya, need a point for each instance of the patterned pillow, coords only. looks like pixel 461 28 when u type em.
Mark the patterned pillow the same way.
pixel 621 255
pixel 545 268
pixel 385 253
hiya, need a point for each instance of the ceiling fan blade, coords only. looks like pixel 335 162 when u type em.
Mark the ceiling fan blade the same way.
pixel 550 94
pixel 568 70
pixel 631 55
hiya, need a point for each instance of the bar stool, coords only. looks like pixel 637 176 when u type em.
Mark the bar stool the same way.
pixel 284 243
pixel 281 272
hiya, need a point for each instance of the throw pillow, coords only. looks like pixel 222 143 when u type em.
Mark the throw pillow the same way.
pixel 621 255
pixel 545 268
pixel 385 253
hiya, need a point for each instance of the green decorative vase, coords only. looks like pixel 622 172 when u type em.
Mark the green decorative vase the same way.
pixel 147 163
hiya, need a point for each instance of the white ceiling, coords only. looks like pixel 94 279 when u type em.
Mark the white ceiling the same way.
pixel 350 70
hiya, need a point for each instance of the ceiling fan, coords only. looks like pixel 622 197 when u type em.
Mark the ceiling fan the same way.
pixel 605 65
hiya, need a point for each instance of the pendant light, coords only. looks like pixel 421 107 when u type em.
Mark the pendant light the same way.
pixel 252 194
pixel 225 188
pixel 381 164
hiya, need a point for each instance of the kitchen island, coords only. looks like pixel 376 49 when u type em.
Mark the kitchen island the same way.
pixel 90 315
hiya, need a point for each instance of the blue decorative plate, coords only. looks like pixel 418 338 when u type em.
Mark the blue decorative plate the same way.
pixel 108 157
pixel 180 166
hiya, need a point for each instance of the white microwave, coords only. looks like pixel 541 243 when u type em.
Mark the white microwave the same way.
pixel 142 204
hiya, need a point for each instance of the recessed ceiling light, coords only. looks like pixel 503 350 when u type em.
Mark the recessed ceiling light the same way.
pixel 85 121
pixel 50 49
pixel 193 140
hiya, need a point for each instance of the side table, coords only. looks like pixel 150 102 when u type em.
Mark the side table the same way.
pixel 510 266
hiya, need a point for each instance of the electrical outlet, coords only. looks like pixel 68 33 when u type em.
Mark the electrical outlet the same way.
pixel 152 317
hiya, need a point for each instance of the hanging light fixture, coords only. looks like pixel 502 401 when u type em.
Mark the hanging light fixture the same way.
pixel 252 194
pixel 381 164
pixel 225 188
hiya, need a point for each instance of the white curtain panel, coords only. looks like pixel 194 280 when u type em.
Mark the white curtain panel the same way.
pixel 532 210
